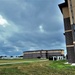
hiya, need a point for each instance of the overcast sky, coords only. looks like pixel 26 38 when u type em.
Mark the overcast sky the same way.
pixel 30 25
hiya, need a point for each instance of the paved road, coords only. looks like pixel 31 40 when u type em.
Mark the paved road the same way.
pixel 21 62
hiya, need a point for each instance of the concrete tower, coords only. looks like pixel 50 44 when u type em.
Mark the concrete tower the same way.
pixel 68 10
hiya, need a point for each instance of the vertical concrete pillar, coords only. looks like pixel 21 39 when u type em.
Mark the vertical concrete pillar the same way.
pixel 53 58
pixel 57 57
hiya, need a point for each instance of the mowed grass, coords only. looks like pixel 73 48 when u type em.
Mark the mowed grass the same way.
pixel 16 60
pixel 37 68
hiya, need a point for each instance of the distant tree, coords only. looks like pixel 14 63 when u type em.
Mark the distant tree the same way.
pixel 39 57
pixel 20 56
pixel 5 56
pixel 11 56
pixel 66 56
pixel 51 58
pixel 1 57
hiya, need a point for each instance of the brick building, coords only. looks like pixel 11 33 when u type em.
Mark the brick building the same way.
pixel 58 54
pixel 68 10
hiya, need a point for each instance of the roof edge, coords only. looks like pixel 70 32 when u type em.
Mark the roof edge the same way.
pixel 65 4
pixel 45 50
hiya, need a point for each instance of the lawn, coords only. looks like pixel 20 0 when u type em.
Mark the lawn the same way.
pixel 37 67
pixel 16 60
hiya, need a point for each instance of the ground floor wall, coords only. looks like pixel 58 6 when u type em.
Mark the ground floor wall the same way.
pixel 51 56
pixel 36 55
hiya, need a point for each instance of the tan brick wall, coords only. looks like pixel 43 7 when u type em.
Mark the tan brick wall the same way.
pixel 65 11
pixel 73 8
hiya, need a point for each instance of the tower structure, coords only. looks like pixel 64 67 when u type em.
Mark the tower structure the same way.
pixel 68 10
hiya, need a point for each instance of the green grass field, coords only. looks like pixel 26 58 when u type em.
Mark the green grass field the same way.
pixel 36 67
pixel 16 60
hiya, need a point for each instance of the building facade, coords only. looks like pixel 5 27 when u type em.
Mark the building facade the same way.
pixel 68 10
pixel 58 54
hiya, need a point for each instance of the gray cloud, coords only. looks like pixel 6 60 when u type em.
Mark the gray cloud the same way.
pixel 33 25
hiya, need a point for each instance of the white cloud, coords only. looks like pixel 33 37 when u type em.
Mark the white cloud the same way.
pixel 9 51
pixel 9 30
pixel 3 22
pixel 16 48
pixel 32 48
pixel 41 28
pixel 7 43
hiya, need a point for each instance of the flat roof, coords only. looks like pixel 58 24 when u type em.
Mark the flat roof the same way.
pixel 44 50
pixel 65 4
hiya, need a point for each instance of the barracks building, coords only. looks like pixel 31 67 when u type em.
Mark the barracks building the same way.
pixel 68 10
pixel 50 54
